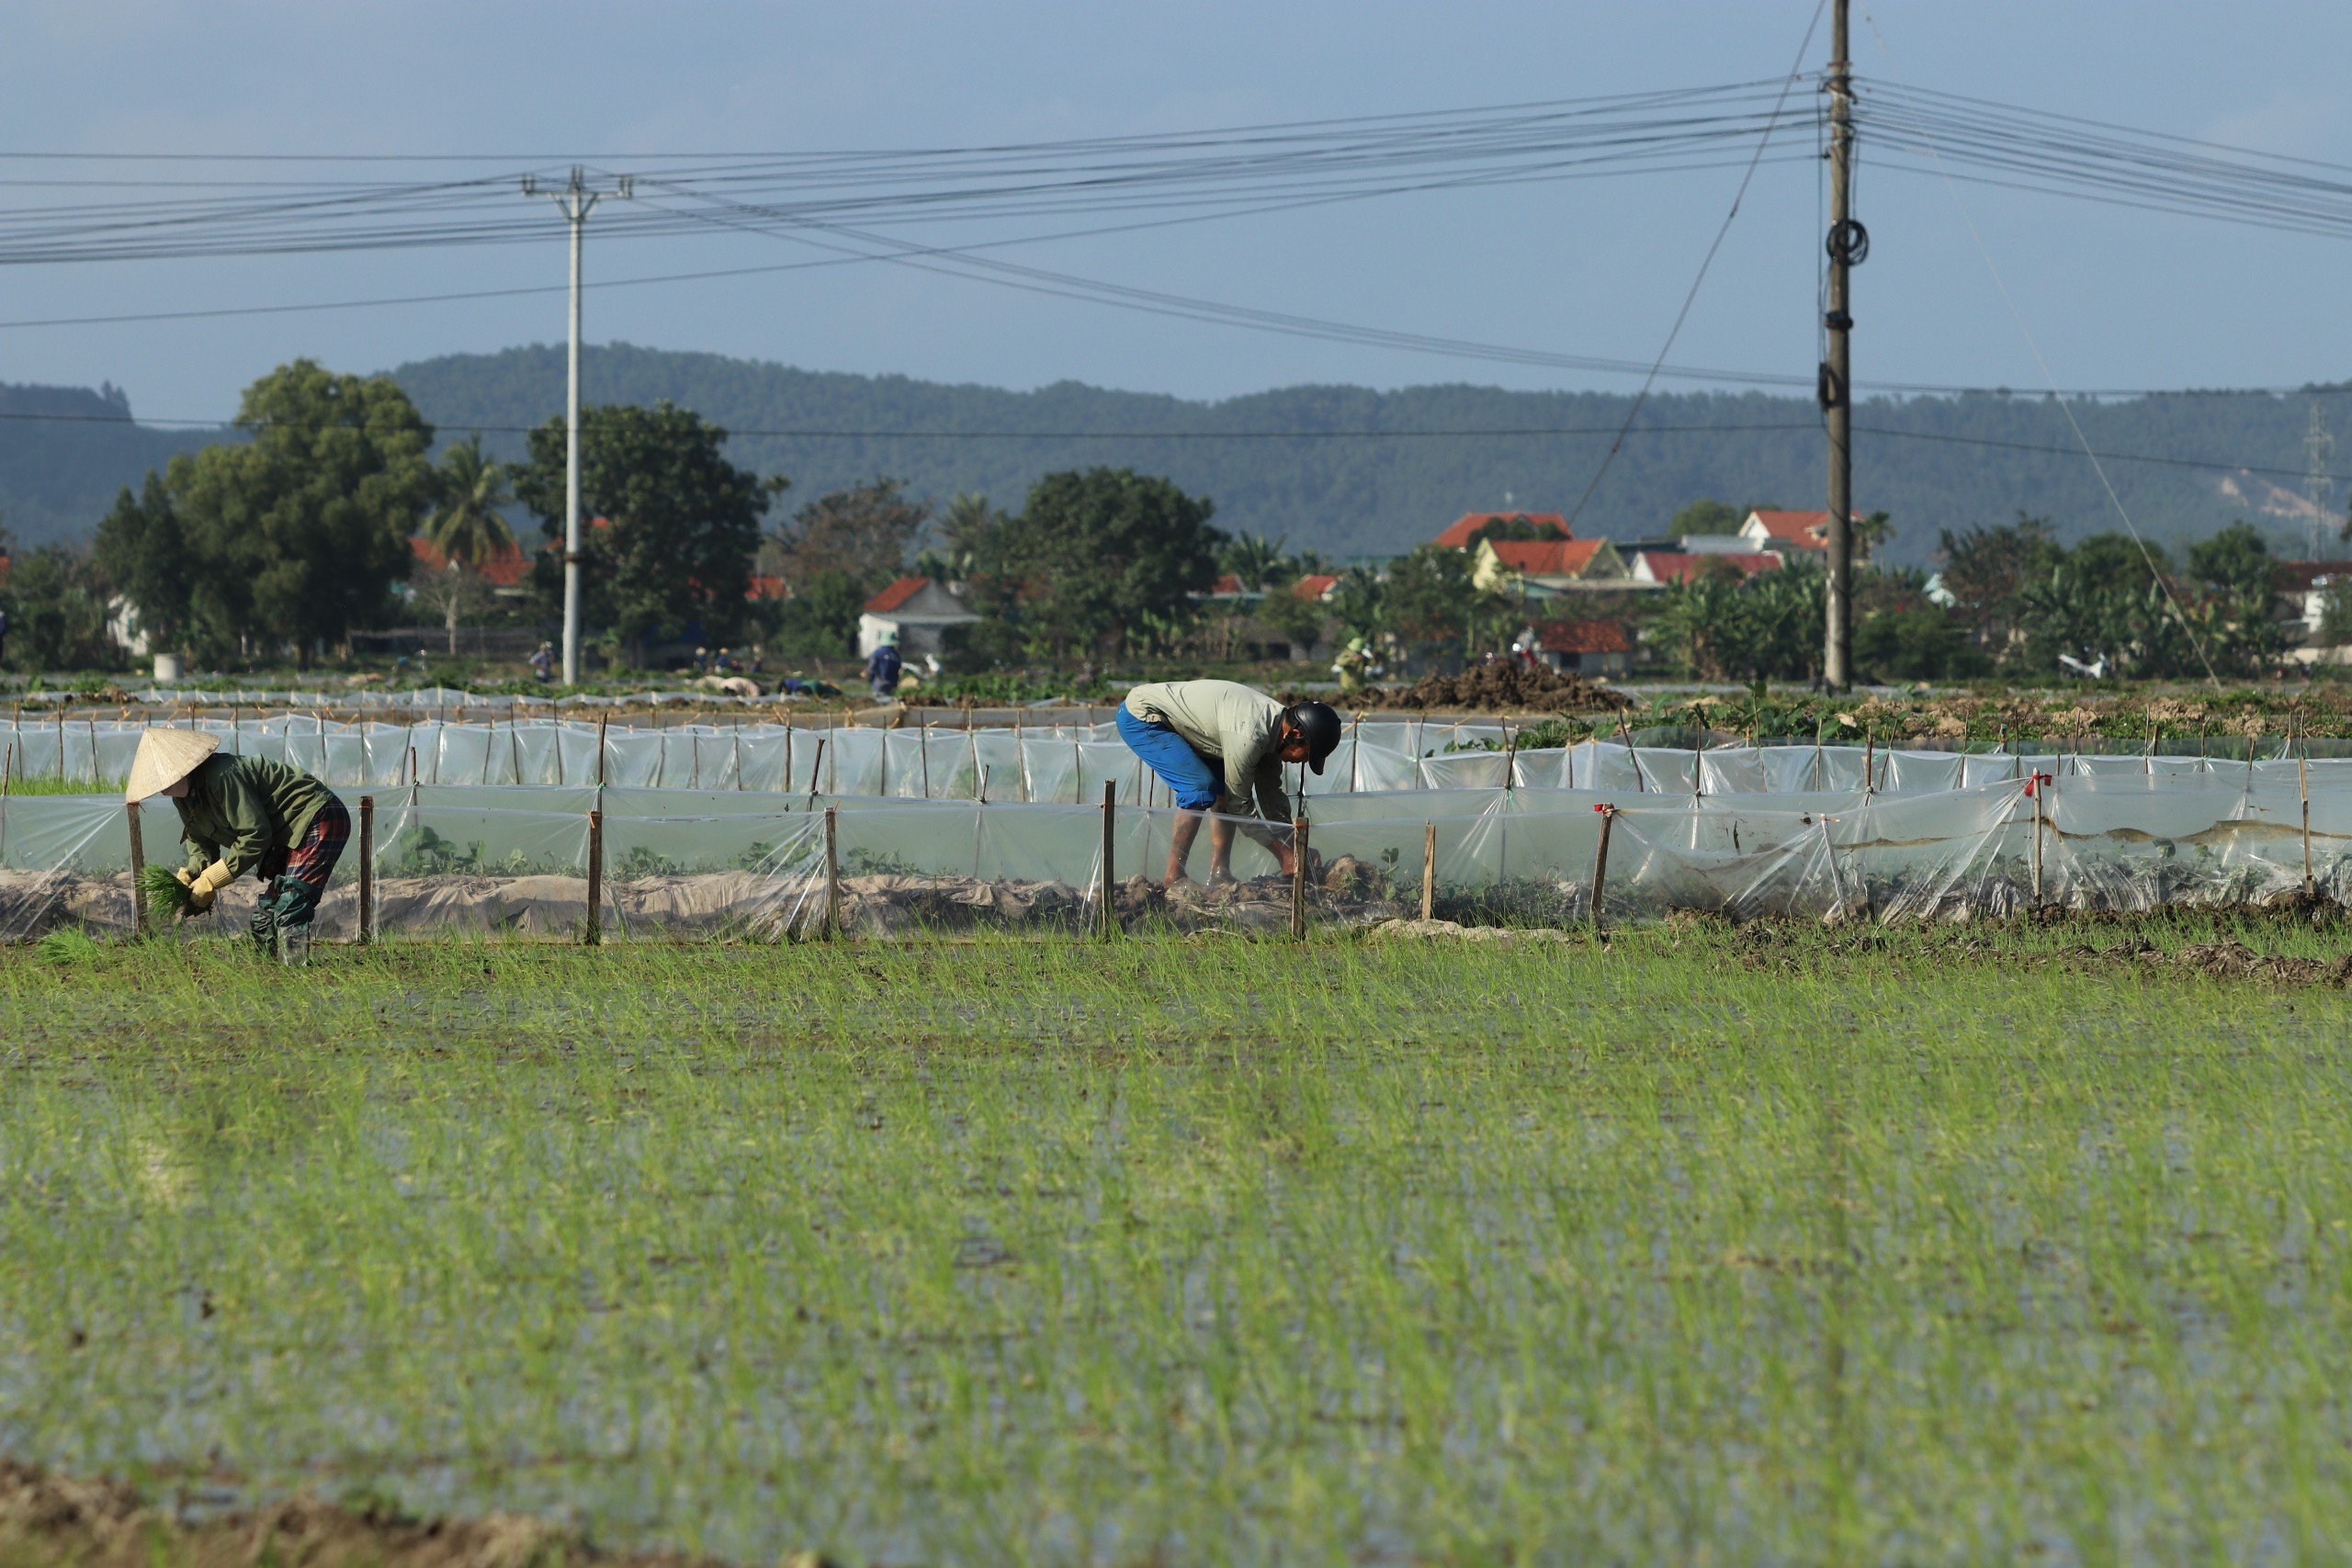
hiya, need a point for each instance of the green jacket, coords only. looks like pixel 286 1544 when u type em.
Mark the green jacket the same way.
pixel 239 808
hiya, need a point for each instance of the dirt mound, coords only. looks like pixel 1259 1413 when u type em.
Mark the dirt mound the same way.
pixel 1501 688
pixel 48 1519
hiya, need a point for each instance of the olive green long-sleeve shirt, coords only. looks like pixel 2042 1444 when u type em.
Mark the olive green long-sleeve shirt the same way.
pixel 239 808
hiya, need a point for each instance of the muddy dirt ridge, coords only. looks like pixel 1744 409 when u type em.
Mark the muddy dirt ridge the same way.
pixel 47 1518
pixel 1503 687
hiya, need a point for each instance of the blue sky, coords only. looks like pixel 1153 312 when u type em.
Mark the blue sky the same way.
pixel 2115 298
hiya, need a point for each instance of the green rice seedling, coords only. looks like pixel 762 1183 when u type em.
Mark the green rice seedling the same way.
pixel 1714 1243
pixel 67 945
pixel 166 894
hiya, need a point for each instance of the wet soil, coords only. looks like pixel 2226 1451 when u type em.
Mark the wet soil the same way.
pixel 47 1518
pixel 1502 688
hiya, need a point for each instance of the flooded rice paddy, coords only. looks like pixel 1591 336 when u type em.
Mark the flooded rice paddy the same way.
pixel 1210 1250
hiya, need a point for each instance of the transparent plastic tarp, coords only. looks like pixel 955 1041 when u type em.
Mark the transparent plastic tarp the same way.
pixel 957 829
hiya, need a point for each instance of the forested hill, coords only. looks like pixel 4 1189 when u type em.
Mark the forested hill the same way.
pixel 1346 495
pixel 64 451
pixel 1343 493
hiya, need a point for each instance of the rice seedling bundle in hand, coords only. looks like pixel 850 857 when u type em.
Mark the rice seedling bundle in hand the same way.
pixel 166 894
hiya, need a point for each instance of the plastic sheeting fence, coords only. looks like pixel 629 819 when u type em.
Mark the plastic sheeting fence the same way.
pixel 1744 833
pixel 1068 764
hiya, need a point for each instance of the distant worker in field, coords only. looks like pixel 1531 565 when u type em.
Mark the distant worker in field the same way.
pixel 246 814
pixel 883 667
pixel 543 662
pixel 1216 744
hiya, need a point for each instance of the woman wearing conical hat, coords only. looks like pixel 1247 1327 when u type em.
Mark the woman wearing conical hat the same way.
pixel 240 814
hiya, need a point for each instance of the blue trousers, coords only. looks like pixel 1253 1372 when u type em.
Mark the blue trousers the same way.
pixel 1192 779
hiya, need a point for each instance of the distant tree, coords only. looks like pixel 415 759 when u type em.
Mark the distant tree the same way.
pixel 2237 562
pixel 2236 575
pixel 1985 570
pixel 57 613
pixel 819 621
pixel 2336 613
pixel 1871 535
pixel 1725 628
pixel 1298 621
pixel 1360 602
pixel 1706 516
pixel 1515 526
pixel 963 530
pixel 143 550
pixel 681 522
pixel 1430 598
pixel 296 535
pixel 864 532
pixel 466 527
pixel 1257 561
pixel 1092 554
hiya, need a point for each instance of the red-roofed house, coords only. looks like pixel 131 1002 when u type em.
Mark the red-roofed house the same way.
pixel 1587 647
pixel 1546 566
pixel 1774 529
pixel 919 609
pixel 505 569
pixel 1457 532
pixel 1658 568
pixel 1316 587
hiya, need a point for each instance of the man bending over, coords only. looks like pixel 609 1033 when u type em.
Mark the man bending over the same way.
pixel 1220 746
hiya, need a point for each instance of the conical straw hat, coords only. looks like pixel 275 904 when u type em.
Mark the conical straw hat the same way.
pixel 166 757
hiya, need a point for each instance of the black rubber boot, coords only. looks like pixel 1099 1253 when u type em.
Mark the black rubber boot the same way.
pixel 263 927
pixel 297 906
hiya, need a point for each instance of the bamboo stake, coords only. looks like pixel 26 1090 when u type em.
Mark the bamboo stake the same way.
pixel 1105 917
pixel 138 869
pixel 2033 789
pixel 1020 752
pixel 367 869
pixel 1429 870
pixel 2303 785
pixel 1641 785
pixel 602 720
pixel 924 740
pixel 1299 853
pixel 833 871
pixel 594 932
pixel 1355 756
pixel 1601 860
pixel 815 766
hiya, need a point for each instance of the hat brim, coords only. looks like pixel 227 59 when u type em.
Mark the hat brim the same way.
pixel 164 757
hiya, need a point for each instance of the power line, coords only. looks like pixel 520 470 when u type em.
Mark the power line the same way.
pixel 1600 470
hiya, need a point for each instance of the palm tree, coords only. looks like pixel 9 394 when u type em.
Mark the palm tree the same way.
pixel 466 527
pixel 964 528
pixel 1871 534
pixel 1254 561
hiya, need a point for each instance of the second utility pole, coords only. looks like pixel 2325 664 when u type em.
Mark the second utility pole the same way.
pixel 1849 242
pixel 575 201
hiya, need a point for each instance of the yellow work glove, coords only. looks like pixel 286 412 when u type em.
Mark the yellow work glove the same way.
pixel 205 889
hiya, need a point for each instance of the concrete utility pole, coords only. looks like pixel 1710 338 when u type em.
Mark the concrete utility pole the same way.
pixel 1849 242
pixel 576 200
